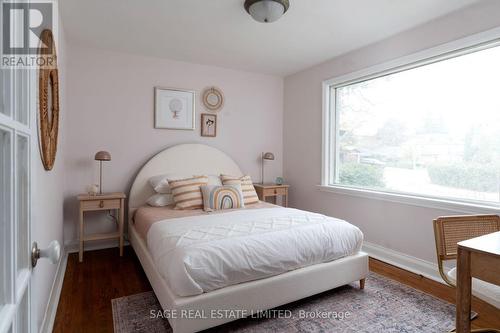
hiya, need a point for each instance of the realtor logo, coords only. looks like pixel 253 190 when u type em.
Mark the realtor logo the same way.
pixel 22 26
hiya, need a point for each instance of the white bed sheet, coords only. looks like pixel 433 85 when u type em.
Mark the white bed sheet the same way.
pixel 203 253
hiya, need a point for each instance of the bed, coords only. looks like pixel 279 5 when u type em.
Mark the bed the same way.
pixel 197 305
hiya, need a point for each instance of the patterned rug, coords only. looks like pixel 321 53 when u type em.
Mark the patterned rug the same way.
pixel 384 306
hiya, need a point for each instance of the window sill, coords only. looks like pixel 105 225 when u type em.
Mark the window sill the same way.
pixel 414 200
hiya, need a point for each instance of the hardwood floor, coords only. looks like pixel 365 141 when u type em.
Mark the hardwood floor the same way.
pixel 89 287
pixel 489 316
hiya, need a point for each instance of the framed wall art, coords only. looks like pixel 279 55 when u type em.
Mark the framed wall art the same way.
pixel 174 109
pixel 208 125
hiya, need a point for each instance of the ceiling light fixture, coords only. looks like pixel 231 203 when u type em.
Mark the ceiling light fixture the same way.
pixel 266 11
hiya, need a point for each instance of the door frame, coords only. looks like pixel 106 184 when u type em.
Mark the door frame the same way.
pixel 22 85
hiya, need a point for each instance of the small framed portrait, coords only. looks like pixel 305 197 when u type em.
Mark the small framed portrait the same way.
pixel 208 125
pixel 174 109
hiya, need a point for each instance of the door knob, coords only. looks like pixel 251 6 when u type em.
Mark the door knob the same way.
pixel 52 252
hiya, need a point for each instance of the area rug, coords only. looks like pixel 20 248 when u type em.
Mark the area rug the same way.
pixel 383 306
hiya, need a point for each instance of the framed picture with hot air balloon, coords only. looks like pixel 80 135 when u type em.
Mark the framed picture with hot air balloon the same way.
pixel 174 109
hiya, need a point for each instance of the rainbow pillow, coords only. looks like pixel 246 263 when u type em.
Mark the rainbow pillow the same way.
pixel 222 197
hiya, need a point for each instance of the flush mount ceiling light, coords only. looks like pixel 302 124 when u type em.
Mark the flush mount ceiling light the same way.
pixel 266 11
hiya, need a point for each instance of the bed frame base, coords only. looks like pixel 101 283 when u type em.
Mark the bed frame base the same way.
pixel 250 297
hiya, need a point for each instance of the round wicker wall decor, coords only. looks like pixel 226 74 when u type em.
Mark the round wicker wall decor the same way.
pixel 213 99
pixel 48 95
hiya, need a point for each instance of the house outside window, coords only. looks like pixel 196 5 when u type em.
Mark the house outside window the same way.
pixel 429 129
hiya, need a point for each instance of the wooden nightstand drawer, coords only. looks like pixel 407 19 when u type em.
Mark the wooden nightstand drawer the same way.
pixel 274 191
pixel 280 191
pixel 102 204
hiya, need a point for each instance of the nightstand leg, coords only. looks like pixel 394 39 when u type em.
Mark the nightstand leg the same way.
pixel 80 254
pixel 286 200
pixel 121 225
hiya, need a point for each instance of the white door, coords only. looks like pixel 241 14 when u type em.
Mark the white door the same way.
pixel 18 144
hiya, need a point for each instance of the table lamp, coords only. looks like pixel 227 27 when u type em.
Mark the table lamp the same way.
pixel 265 156
pixel 101 156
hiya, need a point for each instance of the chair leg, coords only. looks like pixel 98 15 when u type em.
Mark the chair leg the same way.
pixel 362 284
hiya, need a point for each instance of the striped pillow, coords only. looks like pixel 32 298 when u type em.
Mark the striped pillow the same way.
pixel 187 192
pixel 222 197
pixel 249 195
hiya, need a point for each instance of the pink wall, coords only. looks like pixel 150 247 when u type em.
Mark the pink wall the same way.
pixel 111 108
pixel 396 226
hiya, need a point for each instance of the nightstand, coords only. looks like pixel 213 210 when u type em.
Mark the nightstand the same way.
pixel 109 201
pixel 265 191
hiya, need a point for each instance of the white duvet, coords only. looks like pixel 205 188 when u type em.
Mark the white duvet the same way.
pixel 202 253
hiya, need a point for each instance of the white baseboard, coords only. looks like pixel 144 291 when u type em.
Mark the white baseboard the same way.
pixel 73 246
pixel 55 293
pixel 404 261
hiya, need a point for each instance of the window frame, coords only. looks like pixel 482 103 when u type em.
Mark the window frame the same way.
pixel 463 46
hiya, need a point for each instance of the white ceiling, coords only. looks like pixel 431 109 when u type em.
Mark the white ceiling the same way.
pixel 221 33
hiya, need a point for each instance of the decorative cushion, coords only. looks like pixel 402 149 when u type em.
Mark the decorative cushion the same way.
pixel 213 180
pixel 160 183
pixel 222 197
pixel 187 192
pixel 249 195
pixel 160 200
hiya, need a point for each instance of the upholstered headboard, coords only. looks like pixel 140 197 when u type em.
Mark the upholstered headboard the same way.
pixel 184 159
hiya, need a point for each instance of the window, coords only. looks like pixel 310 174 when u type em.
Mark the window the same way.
pixel 431 129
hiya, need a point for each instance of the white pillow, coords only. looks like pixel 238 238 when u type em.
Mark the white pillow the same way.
pixel 160 200
pixel 160 183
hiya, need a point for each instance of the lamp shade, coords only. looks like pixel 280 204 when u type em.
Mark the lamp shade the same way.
pixel 102 156
pixel 266 11
pixel 268 156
